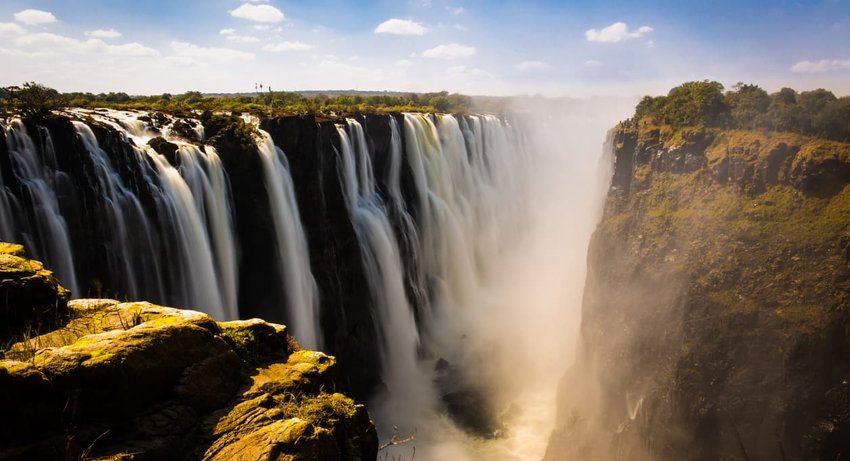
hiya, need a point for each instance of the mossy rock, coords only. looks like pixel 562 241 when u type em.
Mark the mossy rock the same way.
pixel 257 341
pixel 31 299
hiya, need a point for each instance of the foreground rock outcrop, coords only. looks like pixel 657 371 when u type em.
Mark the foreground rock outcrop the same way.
pixel 716 317
pixel 140 381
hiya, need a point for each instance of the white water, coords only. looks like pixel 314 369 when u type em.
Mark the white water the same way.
pixel 408 395
pixel 292 256
pixel 204 174
pixel 193 203
pixel 37 173
pixel 128 226
pixel 194 246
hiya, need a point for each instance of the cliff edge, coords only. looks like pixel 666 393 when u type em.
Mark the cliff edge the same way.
pixel 101 379
pixel 716 314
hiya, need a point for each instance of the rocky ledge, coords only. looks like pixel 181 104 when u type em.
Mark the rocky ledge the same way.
pixel 103 379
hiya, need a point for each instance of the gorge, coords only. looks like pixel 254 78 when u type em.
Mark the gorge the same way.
pixel 441 259
pixel 398 243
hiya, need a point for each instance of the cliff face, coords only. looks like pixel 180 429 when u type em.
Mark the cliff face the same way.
pixel 140 381
pixel 716 316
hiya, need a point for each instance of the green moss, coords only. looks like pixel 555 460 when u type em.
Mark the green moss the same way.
pixel 323 410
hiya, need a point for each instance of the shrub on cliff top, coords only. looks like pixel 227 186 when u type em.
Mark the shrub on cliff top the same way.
pixel 33 99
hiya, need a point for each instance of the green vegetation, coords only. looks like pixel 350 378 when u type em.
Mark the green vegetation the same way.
pixel 33 100
pixel 704 104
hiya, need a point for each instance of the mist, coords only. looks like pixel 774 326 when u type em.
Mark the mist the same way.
pixel 513 337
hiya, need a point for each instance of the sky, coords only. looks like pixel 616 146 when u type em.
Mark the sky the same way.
pixel 554 48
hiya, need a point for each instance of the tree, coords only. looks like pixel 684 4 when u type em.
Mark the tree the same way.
pixel 695 103
pixel 814 101
pixel 784 114
pixel 747 104
pixel 833 121
pixel 33 100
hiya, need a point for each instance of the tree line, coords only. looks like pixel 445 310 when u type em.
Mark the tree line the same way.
pixel 747 106
pixel 32 99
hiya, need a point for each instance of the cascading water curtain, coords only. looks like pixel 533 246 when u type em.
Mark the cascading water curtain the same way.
pixel 43 228
pixel 406 392
pixel 293 258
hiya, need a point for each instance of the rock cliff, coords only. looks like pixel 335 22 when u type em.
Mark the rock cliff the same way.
pixel 110 380
pixel 716 315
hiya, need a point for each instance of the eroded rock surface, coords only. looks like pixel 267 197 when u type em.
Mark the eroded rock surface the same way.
pixel 140 381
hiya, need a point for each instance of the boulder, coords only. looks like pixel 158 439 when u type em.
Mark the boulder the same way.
pixel 140 381
pixel 31 299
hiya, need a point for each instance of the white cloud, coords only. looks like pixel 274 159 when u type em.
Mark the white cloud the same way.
pixel 32 17
pixel 455 10
pixel 10 28
pixel 287 46
pixel 258 13
pixel 404 63
pixel 103 33
pixel 243 38
pixel 616 32
pixel 824 65
pixel 400 27
pixel 528 66
pixel 131 49
pixel 227 31
pixel 450 51
pixel 53 43
pixel 192 51
pixel 592 63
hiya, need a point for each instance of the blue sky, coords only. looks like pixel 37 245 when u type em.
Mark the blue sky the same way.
pixel 576 48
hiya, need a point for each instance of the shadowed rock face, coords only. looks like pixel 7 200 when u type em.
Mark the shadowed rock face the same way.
pixel 140 381
pixel 716 316
pixel 31 299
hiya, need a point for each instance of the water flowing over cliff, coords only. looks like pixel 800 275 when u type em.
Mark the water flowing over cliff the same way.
pixel 403 244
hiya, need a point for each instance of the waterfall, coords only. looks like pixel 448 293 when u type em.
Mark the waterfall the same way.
pixel 293 258
pixel 442 213
pixel 132 251
pixel 36 172
pixel 204 174
pixel 194 246
pixel 407 390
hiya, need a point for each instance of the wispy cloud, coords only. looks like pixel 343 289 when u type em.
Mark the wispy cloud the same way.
pixel 243 38
pixel 103 33
pixel 616 32
pixel 10 28
pixel 197 52
pixel 288 46
pixel 530 66
pixel 400 27
pixel 258 13
pixel 54 43
pixel 33 17
pixel 449 51
pixel 455 10
pixel 227 31
pixel 824 65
